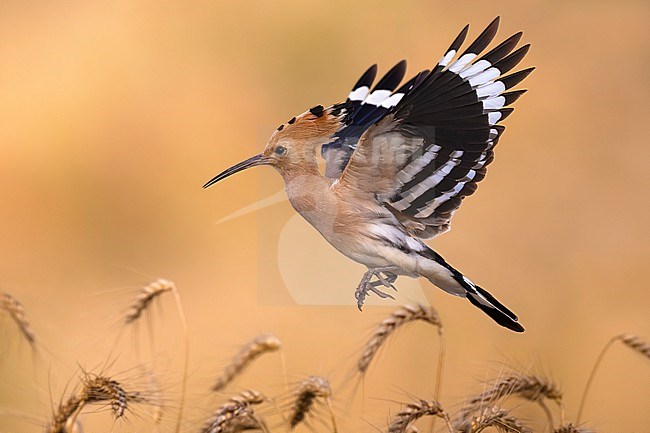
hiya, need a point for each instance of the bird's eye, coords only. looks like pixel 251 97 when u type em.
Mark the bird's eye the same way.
pixel 281 150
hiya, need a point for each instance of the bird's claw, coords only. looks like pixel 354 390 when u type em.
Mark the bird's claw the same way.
pixel 360 296
pixel 366 285
pixel 386 281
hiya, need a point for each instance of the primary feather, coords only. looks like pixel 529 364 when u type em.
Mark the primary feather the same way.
pixel 431 148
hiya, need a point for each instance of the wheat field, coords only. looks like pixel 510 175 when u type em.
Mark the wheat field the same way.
pixel 130 295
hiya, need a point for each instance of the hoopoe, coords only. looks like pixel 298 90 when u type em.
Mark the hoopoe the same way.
pixel 399 163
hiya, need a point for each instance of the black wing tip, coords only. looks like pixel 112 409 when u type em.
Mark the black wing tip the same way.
pixel 503 49
pixel 399 68
pixel 505 113
pixel 512 96
pixel 493 27
pixel 414 81
pixel 458 42
pixel 511 60
pixel 484 39
pixel 392 78
pixel 515 78
pixel 514 39
pixel 524 48
pixel 367 77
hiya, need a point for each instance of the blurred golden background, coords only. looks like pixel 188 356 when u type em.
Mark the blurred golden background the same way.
pixel 113 114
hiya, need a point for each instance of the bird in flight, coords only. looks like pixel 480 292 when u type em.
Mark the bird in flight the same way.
pixel 399 162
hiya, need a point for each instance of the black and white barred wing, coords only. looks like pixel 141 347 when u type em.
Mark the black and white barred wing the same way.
pixel 363 108
pixel 431 150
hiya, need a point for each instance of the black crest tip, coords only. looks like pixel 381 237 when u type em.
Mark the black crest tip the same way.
pixel 317 110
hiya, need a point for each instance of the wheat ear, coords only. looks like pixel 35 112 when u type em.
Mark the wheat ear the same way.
pixel 16 312
pixel 237 415
pixel 529 387
pixel 570 428
pixel 414 411
pixel 637 344
pixel 310 390
pixel 399 318
pixel 497 418
pixel 94 389
pixel 145 297
pixel 632 341
pixel 246 356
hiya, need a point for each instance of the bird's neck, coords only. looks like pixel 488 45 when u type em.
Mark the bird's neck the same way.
pixel 310 194
pixel 305 187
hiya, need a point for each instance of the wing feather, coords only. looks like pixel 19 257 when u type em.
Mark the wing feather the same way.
pixel 363 109
pixel 430 150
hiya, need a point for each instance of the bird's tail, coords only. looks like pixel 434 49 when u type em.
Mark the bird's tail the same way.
pixel 478 296
pixel 482 299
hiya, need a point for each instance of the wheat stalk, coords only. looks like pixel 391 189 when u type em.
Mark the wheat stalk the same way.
pixel 529 387
pixel 141 303
pixel 66 412
pixel 494 417
pixel 246 356
pixel 237 415
pixel 399 318
pixel 414 411
pixel 16 312
pixel 155 398
pixel 632 341
pixel 309 390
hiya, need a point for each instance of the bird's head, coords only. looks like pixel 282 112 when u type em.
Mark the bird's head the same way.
pixel 292 147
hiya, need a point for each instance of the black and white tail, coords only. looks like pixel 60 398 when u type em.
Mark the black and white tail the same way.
pixel 482 299
pixel 478 296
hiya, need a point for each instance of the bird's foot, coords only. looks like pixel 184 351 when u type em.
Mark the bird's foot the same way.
pixel 385 278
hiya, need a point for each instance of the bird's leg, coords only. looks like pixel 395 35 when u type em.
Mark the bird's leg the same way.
pixel 365 285
pixel 362 289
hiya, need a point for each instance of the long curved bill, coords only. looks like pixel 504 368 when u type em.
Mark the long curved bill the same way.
pixel 250 162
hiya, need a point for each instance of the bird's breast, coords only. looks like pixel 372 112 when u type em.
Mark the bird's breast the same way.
pixel 364 231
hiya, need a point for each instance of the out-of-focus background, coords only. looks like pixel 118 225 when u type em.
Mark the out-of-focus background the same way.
pixel 112 116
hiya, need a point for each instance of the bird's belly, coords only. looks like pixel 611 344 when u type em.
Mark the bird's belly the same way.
pixel 364 239
pixel 365 258
pixel 374 253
